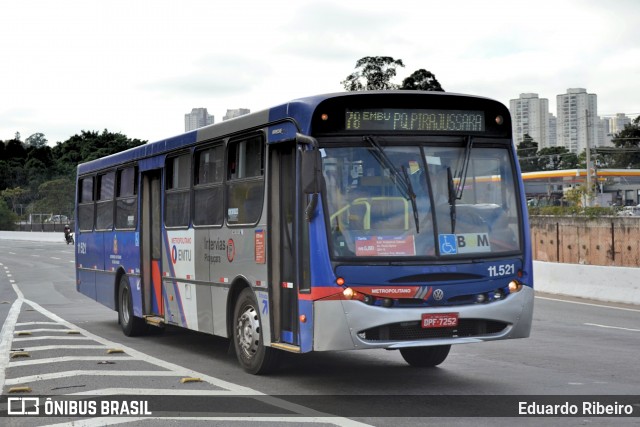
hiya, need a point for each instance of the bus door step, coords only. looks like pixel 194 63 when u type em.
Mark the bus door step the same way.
pixel 286 347
pixel 155 321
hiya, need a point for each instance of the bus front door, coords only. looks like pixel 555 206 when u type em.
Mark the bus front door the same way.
pixel 151 244
pixel 284 247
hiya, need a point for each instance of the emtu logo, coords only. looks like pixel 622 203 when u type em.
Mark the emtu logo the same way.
pixel 180 254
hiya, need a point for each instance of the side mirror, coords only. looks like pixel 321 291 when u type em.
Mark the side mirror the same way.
pixel 311 165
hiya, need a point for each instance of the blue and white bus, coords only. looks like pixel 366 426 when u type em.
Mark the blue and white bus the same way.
pixel 392 220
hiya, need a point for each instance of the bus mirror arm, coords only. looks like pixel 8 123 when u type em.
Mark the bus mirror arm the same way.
pixel 310 172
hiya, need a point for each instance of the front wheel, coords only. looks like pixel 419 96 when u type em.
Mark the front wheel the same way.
pixel 131 325
pixel 425 357
pixel 253 356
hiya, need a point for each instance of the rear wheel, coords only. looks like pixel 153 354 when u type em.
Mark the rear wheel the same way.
pixel 131 325
pixel 253 356
pixel 425 357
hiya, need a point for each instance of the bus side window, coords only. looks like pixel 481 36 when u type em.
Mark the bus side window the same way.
pixel 245 185
pixel 177 200
pixel 104 204
pixel 126 199
pixel 85 204
pixel 208 190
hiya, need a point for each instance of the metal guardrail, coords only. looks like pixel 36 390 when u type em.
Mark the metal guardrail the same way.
pixel 44 226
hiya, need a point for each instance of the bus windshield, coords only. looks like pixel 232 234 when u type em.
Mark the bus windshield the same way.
pixel 419 199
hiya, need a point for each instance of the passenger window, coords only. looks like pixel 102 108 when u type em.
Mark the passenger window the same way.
pixel 104 204
pixel 208 190
pixel 126 199
pixel 245 185
pixel 85 204
pixel 177 200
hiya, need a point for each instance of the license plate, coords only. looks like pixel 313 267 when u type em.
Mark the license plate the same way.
pixel 439 320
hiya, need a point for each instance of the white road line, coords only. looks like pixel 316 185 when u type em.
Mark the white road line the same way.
pixel 53 257
pixel 51 337
pixel 64 347
pixel 142 356
pixel 46 330
pixel 35 323
pixel 96 422
pixel 155 392
pixel 173 370
pixel 6 336
pixel 590 304
pixel 612 327
pixel 69 359
pixel 92 373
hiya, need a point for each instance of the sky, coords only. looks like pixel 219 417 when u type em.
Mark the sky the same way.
pixel 138 66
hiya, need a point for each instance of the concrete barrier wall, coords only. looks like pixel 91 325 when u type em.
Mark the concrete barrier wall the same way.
pixel 612 284
pixel 611 241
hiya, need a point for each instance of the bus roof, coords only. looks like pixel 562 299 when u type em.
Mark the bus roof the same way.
pixel 299 111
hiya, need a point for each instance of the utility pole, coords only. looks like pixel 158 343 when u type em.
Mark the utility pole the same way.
pixel 586 112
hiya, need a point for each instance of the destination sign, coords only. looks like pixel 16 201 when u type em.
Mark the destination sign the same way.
pixel 380 119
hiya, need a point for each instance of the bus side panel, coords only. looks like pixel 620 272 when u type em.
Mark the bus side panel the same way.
pixel 105 279
pixel 87 283
pixel 305 308
pixel 89 259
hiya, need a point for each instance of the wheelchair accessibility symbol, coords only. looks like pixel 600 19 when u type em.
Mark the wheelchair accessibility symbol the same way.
pixel 448 244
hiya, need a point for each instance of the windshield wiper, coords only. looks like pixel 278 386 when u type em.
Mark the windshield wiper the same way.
pixel 412 196
pixel 455 192
pixel 462 173
pixel 452 200
pixel 401 181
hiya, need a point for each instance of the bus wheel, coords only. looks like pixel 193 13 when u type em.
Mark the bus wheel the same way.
pixel 254 357
pixel 425 357
pixel 131 325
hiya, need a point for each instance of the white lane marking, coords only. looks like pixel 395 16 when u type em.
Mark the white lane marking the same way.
pixel 35 323
pixel 142 356
pixel 612 327
pixel 51 337
pixel 174 370
pixel 591 304
pixel 96 422
pixel 56 258
pixel 6 337
pixel 69 359
pixel 46 330
pixel 91 373
pixel 64 347
pixel 153 392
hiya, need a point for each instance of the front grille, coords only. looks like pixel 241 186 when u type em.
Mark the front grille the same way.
pixel 410 331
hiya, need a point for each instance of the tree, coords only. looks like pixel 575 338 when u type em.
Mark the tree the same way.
pixel 89 145
pixel 373 73
pixel 556 158
pixel 527 154
pixel 56 196
pixel 627 142
pixel 7 218
pixel 36 140
pixel 422 80
pixel 14 195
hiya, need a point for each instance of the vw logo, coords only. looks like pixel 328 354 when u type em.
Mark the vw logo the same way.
pixel 438 294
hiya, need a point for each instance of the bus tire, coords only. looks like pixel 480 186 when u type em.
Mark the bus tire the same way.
pixel 425 357
pixel 253 356
pixel 131 325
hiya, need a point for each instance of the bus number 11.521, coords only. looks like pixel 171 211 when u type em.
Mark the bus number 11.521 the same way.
pixel 501 270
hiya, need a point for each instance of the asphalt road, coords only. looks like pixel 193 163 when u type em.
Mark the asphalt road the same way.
pixel 579 351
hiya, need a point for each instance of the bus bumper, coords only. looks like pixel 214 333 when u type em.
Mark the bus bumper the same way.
pixel 349 325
